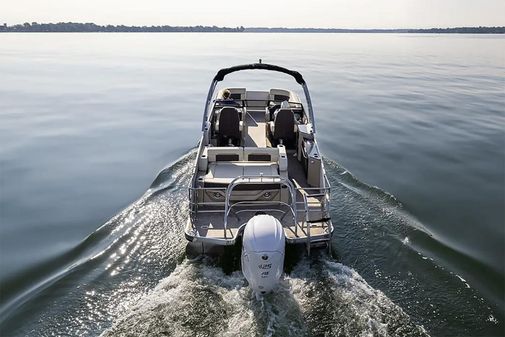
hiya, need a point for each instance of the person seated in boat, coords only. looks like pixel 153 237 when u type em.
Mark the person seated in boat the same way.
pixel 227 95
pixel 227 99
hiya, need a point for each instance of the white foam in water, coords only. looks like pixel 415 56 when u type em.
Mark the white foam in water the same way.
pixel 355 308
pixel 199 299
pixel 463 280
pixel 492 319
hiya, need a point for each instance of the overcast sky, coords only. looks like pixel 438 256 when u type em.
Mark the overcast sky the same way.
pixel 265 13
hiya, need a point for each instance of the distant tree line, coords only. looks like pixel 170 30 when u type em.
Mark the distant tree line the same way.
pixel 461 30
pixel 63 27
pixel 455 30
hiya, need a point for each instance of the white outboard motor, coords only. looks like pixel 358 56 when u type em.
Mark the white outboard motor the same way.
pixel 263 252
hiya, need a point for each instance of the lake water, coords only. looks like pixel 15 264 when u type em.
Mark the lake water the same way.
pixel 97 133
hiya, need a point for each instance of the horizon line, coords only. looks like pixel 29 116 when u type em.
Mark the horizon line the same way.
pixel 4 24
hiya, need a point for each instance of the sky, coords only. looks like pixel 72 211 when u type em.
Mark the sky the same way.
pixel 261 13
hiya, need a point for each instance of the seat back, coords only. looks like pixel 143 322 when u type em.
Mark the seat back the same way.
pixel 257 99
pixel 227 153
pixel 279 95
pixel 229 126
pixel 284 126
pixel 261 154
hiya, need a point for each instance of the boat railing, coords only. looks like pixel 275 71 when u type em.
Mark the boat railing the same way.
pixel 201 206
pixel 322 194
pixel 195 205
pixel 307 223
pixel 255 179
pixel 226 205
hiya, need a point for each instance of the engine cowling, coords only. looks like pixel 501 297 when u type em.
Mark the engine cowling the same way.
pixel 263 247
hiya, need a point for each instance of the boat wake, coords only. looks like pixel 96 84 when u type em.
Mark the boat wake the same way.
pixel 115 265
pixel 131 278
pixel 320 297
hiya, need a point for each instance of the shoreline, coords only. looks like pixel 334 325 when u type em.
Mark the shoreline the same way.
pixel 72 27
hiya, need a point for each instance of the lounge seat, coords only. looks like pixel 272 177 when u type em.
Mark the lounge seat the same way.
pixel 247 156
pixel 224 172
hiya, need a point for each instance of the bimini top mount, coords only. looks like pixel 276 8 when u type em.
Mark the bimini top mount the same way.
pixel 221 74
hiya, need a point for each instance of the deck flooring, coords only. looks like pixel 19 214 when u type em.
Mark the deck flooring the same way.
pixel 256 129
pixel 211 225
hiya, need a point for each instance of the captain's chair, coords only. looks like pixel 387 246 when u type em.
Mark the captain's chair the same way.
pixel 282 128
pixel 228 127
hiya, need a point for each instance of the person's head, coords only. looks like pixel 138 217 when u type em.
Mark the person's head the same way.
pixel 285 105
pixel 226 94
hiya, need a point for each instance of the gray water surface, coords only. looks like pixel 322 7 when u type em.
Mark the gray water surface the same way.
pixel 412 129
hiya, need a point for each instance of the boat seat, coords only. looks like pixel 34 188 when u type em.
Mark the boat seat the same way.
pixel 257 99
pixel 225 172
pixel 228 127
pixel 279 95
pixel 283 128
pixel 246 155
pixel 219 153
pixel 256 153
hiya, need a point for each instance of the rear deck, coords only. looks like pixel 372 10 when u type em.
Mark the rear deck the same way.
pixel 209 223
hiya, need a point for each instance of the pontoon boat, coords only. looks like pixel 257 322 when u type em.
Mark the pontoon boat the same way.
pixel 259 175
